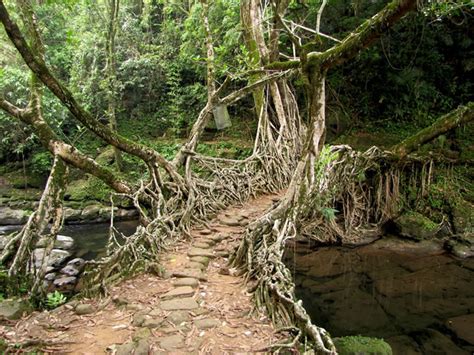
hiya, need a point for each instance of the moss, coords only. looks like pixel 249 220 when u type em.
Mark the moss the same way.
pixel 361 345
pixel 87 189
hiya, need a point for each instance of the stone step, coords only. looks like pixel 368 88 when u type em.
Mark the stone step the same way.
pixel 178 304
pixel 200 252
pixel 189 273
pixel 195 265
pixel 200 259
pixel 182 291
pixel 186 281
pixel 201 245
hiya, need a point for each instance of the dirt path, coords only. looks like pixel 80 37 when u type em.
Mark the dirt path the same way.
pixel 203 307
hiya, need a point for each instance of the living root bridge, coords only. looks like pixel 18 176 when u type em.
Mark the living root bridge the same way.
pixel 353 194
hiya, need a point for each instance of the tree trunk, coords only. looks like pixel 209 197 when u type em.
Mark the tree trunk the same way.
pixel 447 122
pixel 113 7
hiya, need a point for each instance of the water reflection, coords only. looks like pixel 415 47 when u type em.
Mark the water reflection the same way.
pixel 399 296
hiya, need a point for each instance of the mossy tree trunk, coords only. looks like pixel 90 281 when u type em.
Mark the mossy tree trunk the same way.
pixel 458 117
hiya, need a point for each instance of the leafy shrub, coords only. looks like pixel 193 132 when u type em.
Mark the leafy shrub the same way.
pixel 55 299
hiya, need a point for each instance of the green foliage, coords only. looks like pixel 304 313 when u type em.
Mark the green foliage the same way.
pixel 41 163
pixel 352 345
pixel 55 299
pixel 13 286
pixel 329 213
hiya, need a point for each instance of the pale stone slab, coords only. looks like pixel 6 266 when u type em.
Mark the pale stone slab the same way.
pixel 200 259
pixel 183 291
pixel 201 245
pixel 207 323
pixel 187 281
pixel 195 274
pixel 200 252
pixel 179 304
pixel 195 265
pixel 172 342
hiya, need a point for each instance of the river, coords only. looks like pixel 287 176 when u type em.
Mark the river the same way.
pixel 414 295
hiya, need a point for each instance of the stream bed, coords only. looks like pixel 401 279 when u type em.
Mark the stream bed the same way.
pixel 414 295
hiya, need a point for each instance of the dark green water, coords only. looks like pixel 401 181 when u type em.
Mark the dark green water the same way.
pixel 89 239
pixel 418 298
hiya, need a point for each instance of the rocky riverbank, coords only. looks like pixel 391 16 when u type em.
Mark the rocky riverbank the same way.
pixel 93 213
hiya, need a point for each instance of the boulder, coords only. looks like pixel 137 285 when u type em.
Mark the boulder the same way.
pixel 13 308
pixel 463 217
pixel 65 283
pixel 71 214
pixel 69 270
pixel 62 242
pixel 56 258
pixel 50 277
pixel 11 216
pixel 82 309
pixel 415 226
pixel 124 214
pixel 78 263
pixel 91 212
pixel 362 345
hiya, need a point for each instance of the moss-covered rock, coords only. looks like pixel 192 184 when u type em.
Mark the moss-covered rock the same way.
pixel 463 216
pixel 361 345
pixel 14 308
pixel 415 226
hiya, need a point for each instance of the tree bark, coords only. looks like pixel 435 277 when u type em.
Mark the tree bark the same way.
pixel 113 7
pixel 447 122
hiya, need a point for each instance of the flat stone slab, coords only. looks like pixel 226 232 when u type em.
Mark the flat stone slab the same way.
pixel 201 245
pixel 186 281
pixel 207 323
pixel 200 259
pixel 152 323
pixel 178 317
pixel 183 291
pixel 191 273
pixel 231 222
pixel 195 265
pixel 218 237
pixel 200 252
pixel 172 342
pixel 179 304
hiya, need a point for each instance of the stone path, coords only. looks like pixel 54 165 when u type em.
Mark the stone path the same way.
pixel 199 306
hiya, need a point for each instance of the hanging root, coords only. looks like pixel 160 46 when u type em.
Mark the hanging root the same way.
pixel 353 193
pixel 18 251
pixel 167 210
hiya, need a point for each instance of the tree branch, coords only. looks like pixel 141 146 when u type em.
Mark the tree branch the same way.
pixel 453 119
pixel 361 38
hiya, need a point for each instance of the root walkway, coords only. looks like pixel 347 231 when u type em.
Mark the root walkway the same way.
pixel 200 306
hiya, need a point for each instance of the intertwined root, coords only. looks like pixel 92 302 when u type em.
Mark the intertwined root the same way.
pixel 167 210
pixel 366 190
